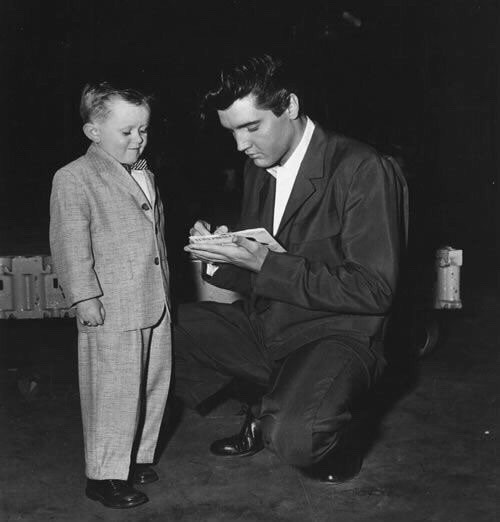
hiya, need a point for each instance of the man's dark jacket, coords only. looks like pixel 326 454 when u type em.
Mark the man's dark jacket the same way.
pixel 343 229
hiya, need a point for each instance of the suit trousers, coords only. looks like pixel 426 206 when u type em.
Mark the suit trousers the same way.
pixel 124 382
pixel 309 395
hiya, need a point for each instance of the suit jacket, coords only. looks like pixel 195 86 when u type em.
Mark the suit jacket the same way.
pixel 343 229
pixel 107 241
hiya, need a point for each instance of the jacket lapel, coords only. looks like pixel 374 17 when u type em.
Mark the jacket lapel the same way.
pixel 108 167
pixel 152 186
pixel 266 201
pixel 308 177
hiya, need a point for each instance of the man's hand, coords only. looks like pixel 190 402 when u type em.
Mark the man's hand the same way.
pixel 90 312
pixel 202 228
pixel 241 252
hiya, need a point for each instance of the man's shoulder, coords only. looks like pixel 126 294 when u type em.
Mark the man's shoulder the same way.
pixel 337 156
pixel 347 147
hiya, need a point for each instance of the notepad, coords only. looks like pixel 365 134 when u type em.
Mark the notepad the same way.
pixel 261 235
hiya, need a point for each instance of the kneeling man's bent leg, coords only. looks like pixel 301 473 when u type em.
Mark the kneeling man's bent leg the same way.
pixel 310 404
pixel 213 343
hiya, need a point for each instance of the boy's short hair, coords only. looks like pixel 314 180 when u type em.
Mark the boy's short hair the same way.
pixel 265 77
pixel 95 98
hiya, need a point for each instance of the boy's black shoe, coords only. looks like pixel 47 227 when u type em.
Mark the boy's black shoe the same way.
pixel 143 474
pixel 247 442
pixel 117 494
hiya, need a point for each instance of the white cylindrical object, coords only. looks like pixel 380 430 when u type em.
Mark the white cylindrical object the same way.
pixel 447 290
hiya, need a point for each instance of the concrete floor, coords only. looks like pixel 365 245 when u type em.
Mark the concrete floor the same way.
pixel 435 457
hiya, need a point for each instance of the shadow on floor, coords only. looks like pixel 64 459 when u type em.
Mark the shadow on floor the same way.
pixel 434 456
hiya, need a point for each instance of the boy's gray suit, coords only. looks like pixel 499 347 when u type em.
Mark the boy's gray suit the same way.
pixel 107 242
pixel 104 244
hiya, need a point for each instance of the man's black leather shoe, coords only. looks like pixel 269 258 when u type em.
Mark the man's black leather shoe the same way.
pixel 117 494
pixel 337 468
pixel 247 442
pixel 143 474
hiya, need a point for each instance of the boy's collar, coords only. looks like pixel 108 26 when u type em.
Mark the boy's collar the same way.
pixel 140 164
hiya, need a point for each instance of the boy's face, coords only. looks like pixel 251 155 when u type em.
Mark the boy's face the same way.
pixel 123 132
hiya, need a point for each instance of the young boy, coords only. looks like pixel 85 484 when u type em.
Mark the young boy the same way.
pixel 108 249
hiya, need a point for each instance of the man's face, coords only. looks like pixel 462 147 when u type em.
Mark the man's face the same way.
pixel 123 132
pixel 264 137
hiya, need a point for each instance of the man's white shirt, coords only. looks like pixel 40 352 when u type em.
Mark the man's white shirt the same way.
pixel 285 178
pixel 287 173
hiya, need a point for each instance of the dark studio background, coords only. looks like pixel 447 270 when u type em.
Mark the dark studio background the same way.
pixel 417 79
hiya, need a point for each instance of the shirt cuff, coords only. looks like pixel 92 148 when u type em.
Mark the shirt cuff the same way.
pixel 211 269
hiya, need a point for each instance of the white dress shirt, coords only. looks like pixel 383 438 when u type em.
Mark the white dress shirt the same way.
pixel 285 175
pixel 141 179
pixel 285 178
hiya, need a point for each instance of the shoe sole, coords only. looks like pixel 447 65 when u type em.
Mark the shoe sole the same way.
pixel 144 482
pixel 336 481
pixel 236 455
pixel 98 498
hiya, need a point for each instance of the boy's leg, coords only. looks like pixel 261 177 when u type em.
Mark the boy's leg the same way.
pixel 157 343
pixel 214 342
pixel 110 378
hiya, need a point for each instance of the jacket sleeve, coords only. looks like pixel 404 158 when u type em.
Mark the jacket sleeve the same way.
pixel 228 276
pixel 231 278
pixel 70 239
pixel 364 281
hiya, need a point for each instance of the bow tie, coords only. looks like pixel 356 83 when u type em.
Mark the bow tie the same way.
pixel 140 164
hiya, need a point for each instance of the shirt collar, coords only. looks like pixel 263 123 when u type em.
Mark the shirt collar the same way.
pixel 294 161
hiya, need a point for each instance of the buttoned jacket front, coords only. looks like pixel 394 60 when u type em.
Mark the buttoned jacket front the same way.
pixel 107 241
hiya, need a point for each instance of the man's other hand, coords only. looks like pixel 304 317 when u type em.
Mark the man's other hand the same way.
pixel 241 252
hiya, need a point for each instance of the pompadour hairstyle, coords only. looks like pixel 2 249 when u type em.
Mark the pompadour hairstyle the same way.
pixel 265 77
pixel 95 98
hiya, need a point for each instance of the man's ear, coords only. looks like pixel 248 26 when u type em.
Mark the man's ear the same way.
pixel 92 132
pixel 293 109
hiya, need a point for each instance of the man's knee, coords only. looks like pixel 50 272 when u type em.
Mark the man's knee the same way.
pixel 294 441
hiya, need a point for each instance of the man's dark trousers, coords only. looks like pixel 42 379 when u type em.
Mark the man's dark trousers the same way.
pixel 310 393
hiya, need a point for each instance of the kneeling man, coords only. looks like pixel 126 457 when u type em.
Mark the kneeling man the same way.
pixel 310 327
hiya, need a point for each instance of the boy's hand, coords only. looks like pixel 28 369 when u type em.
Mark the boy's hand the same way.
pixel 90 312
